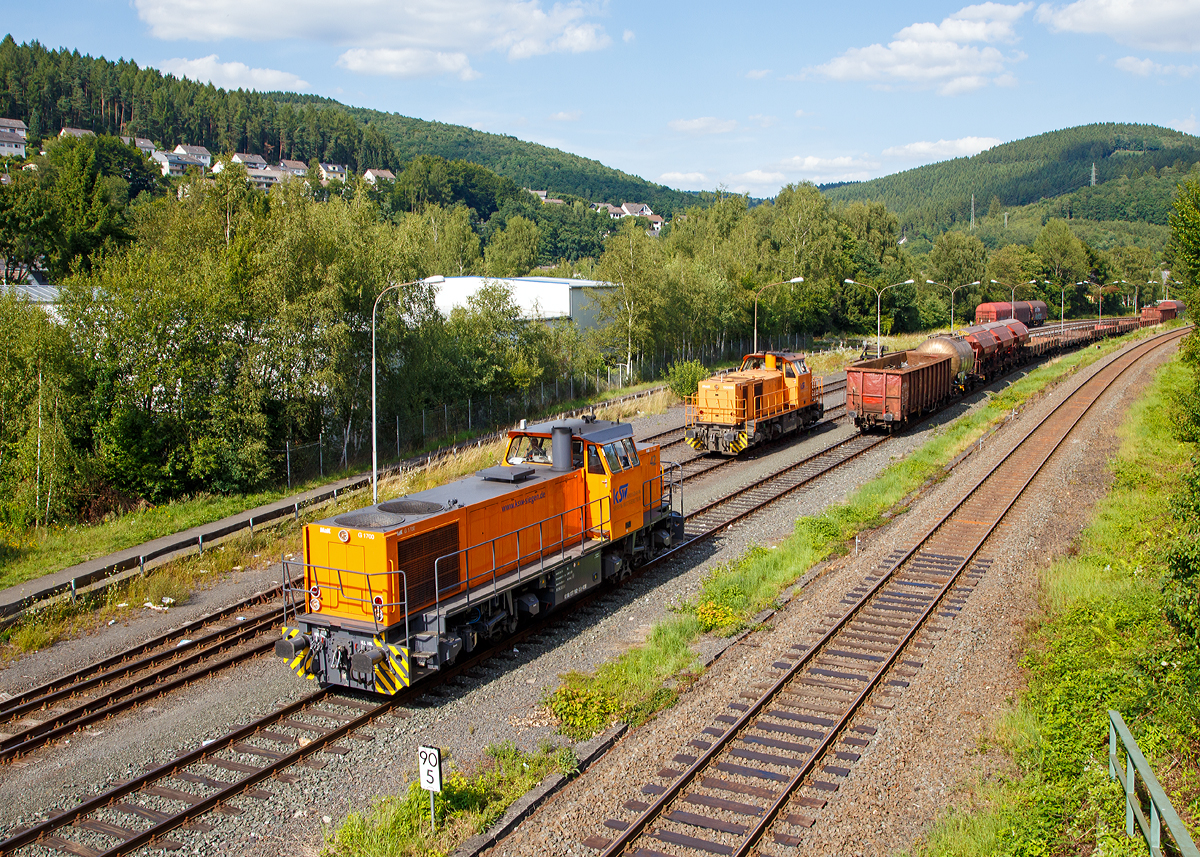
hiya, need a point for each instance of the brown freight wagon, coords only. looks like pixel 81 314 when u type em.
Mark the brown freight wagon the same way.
pixel 892 390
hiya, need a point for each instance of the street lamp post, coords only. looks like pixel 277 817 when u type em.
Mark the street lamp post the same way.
pixel 952 291
pixel 759 292
pixel 374 434
pixel 878 309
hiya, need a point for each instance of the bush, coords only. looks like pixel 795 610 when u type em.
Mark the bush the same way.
pixel 683 378
pixel 581 712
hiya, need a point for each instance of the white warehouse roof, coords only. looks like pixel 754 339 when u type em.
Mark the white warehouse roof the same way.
pixel 537 297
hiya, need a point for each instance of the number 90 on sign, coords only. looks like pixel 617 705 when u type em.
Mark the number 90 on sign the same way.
pixel 429 760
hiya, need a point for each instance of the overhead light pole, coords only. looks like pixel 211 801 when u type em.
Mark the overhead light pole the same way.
pixel 878 309
pixel 759 292
pixel 429 281
pixel 952 291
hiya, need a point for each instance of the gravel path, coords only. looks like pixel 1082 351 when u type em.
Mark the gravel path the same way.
pixel 503 703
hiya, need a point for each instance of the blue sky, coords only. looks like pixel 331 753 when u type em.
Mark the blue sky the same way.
pixel 693 95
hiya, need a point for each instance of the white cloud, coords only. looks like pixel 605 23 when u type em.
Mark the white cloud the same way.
pixel 703 125
pixel 925 150
pixel 758 73
pixel 566 116
pixel 1187 126
pixel 800 113
pixel 1145 68
pixel 406 63
pixel 683 180
pixel 233 75
pixel 756 181
pixel 763 120
pixel 628 36
pixel 436 31
pixel 1158 25
pixel 840 169
pixel 938 55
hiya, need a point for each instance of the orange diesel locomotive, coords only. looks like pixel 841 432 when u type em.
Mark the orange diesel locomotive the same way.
pixel 397 591
pixel 770 395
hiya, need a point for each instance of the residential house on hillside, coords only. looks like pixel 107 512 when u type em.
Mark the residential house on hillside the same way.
pixel 329 172
pixel 636 209
pixel 267 177
pixel 250 162
pixel 175 164
pixel 146 147
pixel 296 168
pixel 656 222
pixel 16 126
pixel 76 132
pixel 544 196
pixel 198 152
pixel 12 144
pixel 375 175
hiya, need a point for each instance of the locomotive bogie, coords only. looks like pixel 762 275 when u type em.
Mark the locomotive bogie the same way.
pixel 399 590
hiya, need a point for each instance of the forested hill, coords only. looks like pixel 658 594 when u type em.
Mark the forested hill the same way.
pixel 933 198
pixel 50 89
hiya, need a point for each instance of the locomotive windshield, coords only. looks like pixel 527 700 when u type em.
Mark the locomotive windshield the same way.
pixel 753 363
pixel 529 450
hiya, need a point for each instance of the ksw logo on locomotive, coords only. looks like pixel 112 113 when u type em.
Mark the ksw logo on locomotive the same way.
pixel 621 492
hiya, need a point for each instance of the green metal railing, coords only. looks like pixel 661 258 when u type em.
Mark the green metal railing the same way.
pixel 1161 811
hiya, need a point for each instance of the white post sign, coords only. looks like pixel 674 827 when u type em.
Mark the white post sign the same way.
pixel 429 761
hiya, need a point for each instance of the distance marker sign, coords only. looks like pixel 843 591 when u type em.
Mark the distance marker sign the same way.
pixel 429 760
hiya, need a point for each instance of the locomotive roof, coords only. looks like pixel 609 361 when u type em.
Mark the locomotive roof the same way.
pixel 470 490
pixel 786 355
pixel 597 431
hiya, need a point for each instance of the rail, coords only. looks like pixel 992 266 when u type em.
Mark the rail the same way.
pixel 1161 811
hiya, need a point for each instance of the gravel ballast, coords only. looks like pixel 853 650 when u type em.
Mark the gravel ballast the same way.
pixel 503 702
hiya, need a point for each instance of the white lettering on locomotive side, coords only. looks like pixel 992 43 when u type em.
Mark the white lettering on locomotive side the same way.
pixel 370 536
pixel 326 530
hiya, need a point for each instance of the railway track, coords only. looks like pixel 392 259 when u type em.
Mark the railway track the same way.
pixel 752 781
pixel 146 808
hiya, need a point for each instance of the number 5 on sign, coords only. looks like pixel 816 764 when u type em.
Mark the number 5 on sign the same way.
pixel 429 761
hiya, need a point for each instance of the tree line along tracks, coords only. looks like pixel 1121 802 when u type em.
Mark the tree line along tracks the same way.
pixel 753 780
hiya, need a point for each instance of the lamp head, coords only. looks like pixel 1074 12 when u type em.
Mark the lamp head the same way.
pixel 434 280
pixel 796 280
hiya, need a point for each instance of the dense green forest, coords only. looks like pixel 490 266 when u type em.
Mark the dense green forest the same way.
pixel 50 89
pixel 1137 168
pixel 204 325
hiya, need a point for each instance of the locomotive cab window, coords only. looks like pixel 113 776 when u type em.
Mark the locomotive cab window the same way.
pixel 594 464
pixel 752 363
pixel 789 369
pixel 612 455
pixel 529 450
pixel 630 453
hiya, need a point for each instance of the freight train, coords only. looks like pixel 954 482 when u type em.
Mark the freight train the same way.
pixel 1029 313
pixel 771 395
pixel 897 389
pixel 397 591
pixel 1162 311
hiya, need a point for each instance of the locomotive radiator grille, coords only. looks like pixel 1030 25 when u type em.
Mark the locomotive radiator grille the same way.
pixel 416 556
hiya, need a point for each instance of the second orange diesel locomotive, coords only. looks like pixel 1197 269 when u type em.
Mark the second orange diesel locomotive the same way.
pixel 771 395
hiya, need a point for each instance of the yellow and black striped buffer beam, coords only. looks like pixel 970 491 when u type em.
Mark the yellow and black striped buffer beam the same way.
pixel 391 673
pixel 741 442
pixel 695 443
pixel 301 663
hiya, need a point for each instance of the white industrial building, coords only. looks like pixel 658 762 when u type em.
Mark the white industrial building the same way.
pixel 546 298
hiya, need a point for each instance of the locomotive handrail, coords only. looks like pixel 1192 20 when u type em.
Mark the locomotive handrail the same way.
pixel 288 589
pixel 562 544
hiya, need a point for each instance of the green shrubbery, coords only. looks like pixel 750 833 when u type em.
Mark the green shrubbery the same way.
pixel 683 378
pixel 398 826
